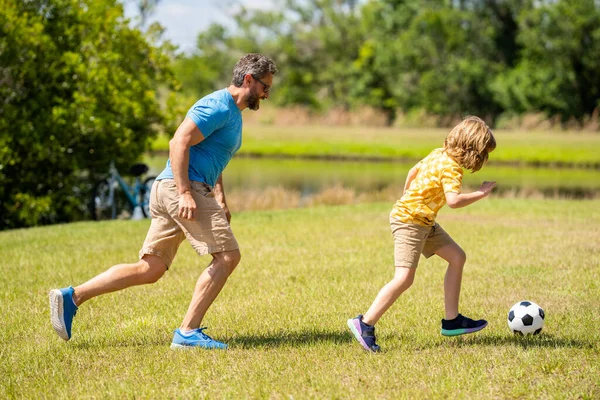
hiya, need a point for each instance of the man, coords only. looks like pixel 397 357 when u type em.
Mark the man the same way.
pixel 187 201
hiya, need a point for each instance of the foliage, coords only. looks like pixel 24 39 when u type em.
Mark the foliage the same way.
pixel 560 58
pixel 448 58
pixel 79 87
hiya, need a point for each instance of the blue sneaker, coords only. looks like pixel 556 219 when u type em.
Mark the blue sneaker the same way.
pixel 462 325
pixel 195 339
pixel 62 311
pixel 365 334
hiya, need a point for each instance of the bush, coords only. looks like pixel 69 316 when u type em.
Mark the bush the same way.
pixel 78 89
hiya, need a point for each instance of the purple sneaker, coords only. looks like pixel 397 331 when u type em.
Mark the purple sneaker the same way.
pixel 462 325
pixel 365 334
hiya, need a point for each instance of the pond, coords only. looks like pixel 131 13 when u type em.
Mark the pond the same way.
pixel 309 177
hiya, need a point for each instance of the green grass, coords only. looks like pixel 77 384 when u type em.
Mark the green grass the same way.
pixel 283 312
pixel 354 142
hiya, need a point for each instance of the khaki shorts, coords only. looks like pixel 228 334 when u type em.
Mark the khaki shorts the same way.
pixel 208 233
pixel 411 240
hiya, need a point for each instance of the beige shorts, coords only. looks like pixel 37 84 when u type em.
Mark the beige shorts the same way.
pixel 411 240
pixel 209 232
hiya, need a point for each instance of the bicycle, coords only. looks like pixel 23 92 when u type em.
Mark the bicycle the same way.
pixel 113 198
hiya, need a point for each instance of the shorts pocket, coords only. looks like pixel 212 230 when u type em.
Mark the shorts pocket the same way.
pixel 202 189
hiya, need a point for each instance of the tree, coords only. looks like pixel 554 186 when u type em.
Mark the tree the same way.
pixel 315 42
pixel 78 88
pixel 557 72
pixel 146 8
pixel 446 57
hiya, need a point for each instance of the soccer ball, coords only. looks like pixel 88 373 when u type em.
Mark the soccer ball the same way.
pixel 526 318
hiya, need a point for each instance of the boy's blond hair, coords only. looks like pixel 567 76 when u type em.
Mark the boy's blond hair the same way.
pixel 470 143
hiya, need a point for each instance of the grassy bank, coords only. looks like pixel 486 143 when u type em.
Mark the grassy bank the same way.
pixel 283 312
pixel 528 147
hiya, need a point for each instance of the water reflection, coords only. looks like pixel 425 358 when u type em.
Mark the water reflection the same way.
pixel 308 177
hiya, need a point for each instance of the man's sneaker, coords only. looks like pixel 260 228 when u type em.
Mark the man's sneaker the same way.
pixel 195 339
pixel 365 334
pixel 461 325
pixel 62 311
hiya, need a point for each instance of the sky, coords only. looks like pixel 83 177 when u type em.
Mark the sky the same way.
pixel 184 19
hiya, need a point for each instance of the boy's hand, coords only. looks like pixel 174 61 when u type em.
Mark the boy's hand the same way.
pixel 487 186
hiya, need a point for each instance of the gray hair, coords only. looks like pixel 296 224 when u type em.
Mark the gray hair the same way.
pixel 253 64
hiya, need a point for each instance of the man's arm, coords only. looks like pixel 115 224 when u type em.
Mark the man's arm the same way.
pixel 186 136
pixel 458 200
pixel 220 197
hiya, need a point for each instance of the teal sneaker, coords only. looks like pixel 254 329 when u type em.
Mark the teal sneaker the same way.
pixel 195 339
pixel 462 325
pixel 62 311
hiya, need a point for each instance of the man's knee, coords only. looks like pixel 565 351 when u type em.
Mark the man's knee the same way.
pixel 152 268
pixel 228 259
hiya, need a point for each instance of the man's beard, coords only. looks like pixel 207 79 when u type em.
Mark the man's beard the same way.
pixel 253 100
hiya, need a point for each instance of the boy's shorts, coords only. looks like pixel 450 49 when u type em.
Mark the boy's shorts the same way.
pixel 411 240
pixel 209 232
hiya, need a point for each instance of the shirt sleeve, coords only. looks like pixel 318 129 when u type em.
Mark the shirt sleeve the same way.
pixel 452 179
pixel 209 116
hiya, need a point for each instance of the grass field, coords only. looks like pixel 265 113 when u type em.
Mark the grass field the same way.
pixel 529 147
pixel 283 312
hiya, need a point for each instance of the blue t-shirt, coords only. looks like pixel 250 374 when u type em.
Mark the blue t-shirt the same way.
pixel 220 122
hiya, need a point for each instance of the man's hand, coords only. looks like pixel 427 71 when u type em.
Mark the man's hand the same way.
pixel 487 186
pixel 187 206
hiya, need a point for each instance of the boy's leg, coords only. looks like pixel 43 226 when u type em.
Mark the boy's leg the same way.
pixel 455 324
pixel 409 240
pixel 403 279
pixel 456 258
pixel 362 327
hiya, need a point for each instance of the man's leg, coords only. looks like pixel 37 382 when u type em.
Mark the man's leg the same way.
pixel 147 270
pixel 64 302
pixel 208 287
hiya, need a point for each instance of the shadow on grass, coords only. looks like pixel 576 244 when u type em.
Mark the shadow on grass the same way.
pixel 315 337
pixel 291 339
pixel 116 342
pixel 276 339
pixel 538 341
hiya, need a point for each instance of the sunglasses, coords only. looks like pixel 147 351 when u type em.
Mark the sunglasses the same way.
pixel 266 88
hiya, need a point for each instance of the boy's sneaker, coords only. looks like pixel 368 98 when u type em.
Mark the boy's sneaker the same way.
pixel 462 325
pixel 195 339
pixel 62 311
pixel 365 334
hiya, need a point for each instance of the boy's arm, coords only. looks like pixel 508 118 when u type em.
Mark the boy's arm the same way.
pixel 411 177
pixel 458 200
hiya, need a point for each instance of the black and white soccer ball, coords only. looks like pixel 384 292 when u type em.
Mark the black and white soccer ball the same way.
pixel 526 318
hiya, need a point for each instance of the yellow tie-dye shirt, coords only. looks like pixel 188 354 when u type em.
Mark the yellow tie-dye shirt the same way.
pixel 437 174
